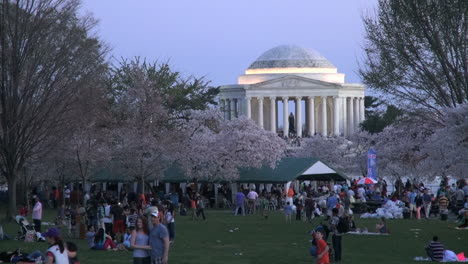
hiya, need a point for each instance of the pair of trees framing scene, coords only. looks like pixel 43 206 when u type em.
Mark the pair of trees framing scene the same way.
pixel 67 108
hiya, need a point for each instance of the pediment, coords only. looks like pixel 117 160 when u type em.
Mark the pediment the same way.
pixel 293 82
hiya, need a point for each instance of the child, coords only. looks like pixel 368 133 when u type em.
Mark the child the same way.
pixel 381 227
pixel 322 249
pixel 264 207
pixel 288 212
pixel 23 211
pixel 125 245
pixel 200 207
pixel 71 251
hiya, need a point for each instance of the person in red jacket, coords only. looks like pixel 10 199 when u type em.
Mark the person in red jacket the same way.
pixel 322 249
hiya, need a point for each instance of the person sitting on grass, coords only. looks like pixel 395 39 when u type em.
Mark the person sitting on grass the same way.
pixel 90 236
pixel 352 224
pixel 18 256
pixel 103 241
pixel 435 250
pixel 125 245
pixel 381 227
pixel 56 253
pixel 464 223
pixel 72 250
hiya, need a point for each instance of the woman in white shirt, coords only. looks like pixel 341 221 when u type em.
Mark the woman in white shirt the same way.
pixel 56 253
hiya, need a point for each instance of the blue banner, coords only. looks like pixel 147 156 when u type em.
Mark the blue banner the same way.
pixel 372 164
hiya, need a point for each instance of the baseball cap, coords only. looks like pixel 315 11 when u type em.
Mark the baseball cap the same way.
pixel 52 232
pixel 154 213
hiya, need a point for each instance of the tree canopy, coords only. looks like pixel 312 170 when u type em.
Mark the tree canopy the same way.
pixel 46 57
pixel 417 52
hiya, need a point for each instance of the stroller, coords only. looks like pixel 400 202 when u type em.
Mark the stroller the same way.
pixel 27 232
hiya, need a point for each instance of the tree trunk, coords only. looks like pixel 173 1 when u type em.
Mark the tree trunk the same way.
pixel 142 185
pixel 11 212
pixel 83 192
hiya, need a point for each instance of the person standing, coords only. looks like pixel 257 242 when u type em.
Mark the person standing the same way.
pixel 419 204
pixel 322 249
pixel 200 207
pixel 107 217
pixel 252 196
pixel 288 210
pixel 100 214
pixel 309 205
pixel 158 241
pixel 289 196
pixel 240 199
pixel 66 195
pixel 427 202
pixel 170 220
pixel 193 206
pixel 412 202
pixel 139 242
pixel 336 237
pixel 118 227
pixel 332 201
pixel 37 215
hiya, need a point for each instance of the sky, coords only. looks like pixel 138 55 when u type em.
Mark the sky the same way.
pixel 219 39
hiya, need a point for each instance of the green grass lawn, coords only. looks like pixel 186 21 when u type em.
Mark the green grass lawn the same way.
pixel 272 241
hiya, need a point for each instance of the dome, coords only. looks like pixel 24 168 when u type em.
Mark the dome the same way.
pixel 290 56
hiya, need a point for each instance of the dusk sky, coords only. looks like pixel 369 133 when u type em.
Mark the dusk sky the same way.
pixel 220 39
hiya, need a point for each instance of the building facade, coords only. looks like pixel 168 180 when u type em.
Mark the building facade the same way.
pixel 291 73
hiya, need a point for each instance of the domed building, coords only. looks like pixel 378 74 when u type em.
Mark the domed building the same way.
pixel 291 73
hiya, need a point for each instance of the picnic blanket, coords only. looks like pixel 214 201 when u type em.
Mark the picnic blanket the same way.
pixel 449 256
pixel 367 233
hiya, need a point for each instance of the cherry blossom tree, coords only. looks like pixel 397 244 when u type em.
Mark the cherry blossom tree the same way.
pixel 215 149
pixel 446 149
pixel 421 148
pixel 399 150
pixel 345 154
pixel 143 137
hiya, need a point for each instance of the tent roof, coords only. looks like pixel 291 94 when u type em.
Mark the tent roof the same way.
pixel 107 175
pixel 287 169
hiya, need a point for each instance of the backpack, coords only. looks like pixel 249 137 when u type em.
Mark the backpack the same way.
pixel 343 225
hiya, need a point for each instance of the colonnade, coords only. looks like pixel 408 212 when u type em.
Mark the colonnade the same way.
pixel 325 115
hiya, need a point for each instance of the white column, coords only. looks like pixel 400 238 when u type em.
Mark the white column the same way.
pixel 249 107
pixel 273 114
pixel 168 187
pixel 299 116
pixel 232 109
pixel 285 117
pixel 361 109
pixel 324 116
pixel 228 109
pixel 336 115
pixel 356 113
pixel 222 105
pixel 260 111
pixel 237 108
pixel 344 110
pixel 311 116
pixel 350 116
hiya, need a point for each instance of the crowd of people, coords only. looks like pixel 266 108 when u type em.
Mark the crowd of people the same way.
pixel 146 224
